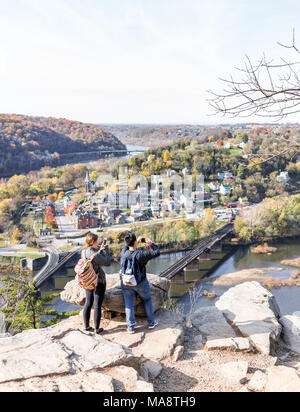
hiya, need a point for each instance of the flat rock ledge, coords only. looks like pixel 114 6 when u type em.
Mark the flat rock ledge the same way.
pixel 64 358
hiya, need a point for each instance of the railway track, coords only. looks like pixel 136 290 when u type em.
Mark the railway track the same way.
pixel 203 245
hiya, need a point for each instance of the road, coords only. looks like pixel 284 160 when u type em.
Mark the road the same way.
pixel 53 259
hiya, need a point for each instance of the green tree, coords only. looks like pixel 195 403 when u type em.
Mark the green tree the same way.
pixel 23 306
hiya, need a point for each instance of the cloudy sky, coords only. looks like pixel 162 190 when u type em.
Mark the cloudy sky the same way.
pixel 132 61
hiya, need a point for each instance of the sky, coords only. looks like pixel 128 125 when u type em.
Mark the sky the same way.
pixel 132 61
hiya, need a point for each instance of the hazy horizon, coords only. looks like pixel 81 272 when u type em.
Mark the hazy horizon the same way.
pixel 117 62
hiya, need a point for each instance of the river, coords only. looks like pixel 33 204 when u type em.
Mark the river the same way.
pixel 288 298
pixel 134 150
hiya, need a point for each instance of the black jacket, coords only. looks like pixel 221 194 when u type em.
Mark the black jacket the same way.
pixel 102 258
pixel 143 257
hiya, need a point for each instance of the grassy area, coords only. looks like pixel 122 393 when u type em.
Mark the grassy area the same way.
pixel 236 152
pixel 24 255
pixel 66 248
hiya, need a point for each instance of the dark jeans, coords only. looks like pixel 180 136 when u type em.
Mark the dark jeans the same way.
pixel 130 293
pixel 94 297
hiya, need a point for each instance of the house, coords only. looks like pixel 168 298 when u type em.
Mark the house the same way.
pixel 45 232
pixel 283 177
pixel 171 205
pixel 67 200
pixel 122 219
pixel 225 190
pixel 185 172
pixel 155 209
pixel 214 186
pixel 171 173
pixel 243 201
pixel 137 217
pixel 187 203
pixel 83 219
pixel 136 209
pixel 110 221
pixel 225 175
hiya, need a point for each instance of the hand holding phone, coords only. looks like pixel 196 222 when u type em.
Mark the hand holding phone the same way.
pixel 104 244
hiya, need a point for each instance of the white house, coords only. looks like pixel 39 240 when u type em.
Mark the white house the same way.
pixel 187 202
pixel 225 190
pixel 283 177
pixel 214 186
pixel 171 173
pixel 67 200
pixel 185 171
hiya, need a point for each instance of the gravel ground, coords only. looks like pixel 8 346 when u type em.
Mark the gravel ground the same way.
pixel 197 370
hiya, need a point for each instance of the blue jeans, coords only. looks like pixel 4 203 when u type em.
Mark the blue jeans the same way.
pixel 130 293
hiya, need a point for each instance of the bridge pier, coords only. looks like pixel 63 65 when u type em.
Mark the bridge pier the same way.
pixel 195 270
pixel 218 248
pixel 205 255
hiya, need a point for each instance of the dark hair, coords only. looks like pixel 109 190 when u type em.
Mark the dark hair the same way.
pixel 130 239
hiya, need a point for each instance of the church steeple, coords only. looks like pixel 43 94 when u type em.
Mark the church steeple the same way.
pixel 87 182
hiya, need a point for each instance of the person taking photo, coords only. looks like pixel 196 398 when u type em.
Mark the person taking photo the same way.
pixel 93 279
pixel 134 279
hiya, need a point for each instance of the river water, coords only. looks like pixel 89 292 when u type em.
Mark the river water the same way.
pixel 288 298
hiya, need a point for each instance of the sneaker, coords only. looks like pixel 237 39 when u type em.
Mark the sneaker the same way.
pixel 89 329
pixel 99 331
pixel 131 331
pixel 153 325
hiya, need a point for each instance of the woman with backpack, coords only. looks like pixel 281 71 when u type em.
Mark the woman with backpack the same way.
pixel 92 279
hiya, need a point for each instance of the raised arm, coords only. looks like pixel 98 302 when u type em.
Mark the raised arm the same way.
pixel 146 255
pixel 103 258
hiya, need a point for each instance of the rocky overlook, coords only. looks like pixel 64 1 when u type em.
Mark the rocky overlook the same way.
pixel 242 344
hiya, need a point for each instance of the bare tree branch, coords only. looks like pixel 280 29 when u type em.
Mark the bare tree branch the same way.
pixel 266 90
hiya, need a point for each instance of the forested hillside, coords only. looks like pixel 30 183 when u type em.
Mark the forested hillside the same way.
pixel 28 143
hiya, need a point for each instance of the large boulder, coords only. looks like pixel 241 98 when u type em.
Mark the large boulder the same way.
pixel 114 301
pixel 253 311
pixel 291 332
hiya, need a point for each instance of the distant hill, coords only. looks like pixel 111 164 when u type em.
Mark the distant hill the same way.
pixel 29 143
pixel 156 135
